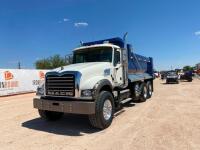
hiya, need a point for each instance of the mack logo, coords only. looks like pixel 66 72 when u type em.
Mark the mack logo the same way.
pixel 59 93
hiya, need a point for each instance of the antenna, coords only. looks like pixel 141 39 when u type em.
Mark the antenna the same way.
pixel 19 65
pixel 81 42
pixel 124 39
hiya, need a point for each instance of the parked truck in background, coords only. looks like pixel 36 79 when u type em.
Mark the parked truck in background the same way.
pixel 104 75
pixel 172 77
pixel 187 76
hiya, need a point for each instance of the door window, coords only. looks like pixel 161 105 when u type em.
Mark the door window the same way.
pixel 116 58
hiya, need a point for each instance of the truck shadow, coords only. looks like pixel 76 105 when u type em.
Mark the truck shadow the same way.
pixel 69 125
pixel 168 83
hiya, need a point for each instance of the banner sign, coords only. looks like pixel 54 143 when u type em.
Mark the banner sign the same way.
pixel 15 81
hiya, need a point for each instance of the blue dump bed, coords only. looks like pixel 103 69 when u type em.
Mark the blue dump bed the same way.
pixel 139 67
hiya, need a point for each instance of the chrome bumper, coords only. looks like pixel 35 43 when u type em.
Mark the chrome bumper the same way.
pixel 74 107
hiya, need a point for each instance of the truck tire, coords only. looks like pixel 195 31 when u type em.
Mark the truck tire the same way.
pixel 136 92
pixel 167 82
pixel 144 92
pixel 149 89
pixel 104 110
pixel 50 115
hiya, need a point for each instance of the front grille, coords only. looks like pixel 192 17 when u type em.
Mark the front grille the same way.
pixel 60 85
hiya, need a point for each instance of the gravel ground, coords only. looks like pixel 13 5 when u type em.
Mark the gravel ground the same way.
pixel 170 120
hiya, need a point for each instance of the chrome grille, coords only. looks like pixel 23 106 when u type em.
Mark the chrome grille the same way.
pixel 60 85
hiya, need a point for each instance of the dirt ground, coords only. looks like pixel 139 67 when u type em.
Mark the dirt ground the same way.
pixel 170 120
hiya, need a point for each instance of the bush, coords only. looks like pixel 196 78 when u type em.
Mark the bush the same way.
pixel 52 62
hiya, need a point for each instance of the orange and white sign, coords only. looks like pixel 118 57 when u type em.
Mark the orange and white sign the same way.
pixel 8 75
pixel 15 81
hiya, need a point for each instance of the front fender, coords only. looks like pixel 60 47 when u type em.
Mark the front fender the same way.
pixel 96 83
pixel 99 85
pixel 90 83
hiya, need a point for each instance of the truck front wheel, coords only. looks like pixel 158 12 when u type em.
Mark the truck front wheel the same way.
pixel 104 110
pixel 50 115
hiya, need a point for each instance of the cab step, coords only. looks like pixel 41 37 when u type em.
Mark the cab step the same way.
pixel 126 100
pixel 125 91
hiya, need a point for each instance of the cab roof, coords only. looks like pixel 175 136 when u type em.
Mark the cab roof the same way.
pixel 112 42
pixel 115 41
pixel 96 45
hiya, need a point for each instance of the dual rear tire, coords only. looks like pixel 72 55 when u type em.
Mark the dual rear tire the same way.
pixel 143 91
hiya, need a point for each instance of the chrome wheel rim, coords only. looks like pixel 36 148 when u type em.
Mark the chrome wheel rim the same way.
pixel 145 92
pixel 150 90
pixel 107 109
pixel 137 90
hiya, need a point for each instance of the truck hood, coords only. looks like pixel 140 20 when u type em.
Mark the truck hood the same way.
pixel 90 73
pixel 92 67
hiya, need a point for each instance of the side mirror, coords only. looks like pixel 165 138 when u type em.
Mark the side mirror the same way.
pixel 129 50
pixel 124 54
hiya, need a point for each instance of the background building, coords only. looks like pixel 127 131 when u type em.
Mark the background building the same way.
pixel 198 66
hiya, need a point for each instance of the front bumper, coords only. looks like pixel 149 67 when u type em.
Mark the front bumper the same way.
pixel 73 107
pixel 172 79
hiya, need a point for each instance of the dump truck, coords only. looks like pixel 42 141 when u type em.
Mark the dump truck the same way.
pixel 104 75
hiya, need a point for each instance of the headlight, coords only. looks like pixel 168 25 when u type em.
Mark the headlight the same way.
pixel 86 93
pixel 40 90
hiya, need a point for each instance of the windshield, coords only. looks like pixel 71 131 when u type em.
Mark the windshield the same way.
pixel 98 54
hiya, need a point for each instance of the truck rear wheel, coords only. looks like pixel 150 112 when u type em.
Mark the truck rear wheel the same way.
pixel 104 110
pixel 144 92
pixel 136 92
pixel 149 89
pixel 50 115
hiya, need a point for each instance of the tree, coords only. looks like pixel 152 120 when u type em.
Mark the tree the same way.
pixel 188 68
pixel 52 62
pixel 57 61
pixel 43 64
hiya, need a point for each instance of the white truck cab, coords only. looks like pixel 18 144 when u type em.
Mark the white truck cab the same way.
pixel 98 62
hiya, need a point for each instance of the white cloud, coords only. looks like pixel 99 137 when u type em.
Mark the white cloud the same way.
pixel 65 19
pixel 197 33
pixel 81 24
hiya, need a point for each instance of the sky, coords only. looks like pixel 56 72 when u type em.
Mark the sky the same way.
pixel 167 30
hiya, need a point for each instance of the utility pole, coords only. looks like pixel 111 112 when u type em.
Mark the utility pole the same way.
pixel 19 65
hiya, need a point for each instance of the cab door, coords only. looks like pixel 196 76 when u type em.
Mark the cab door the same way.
pixel 118 68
